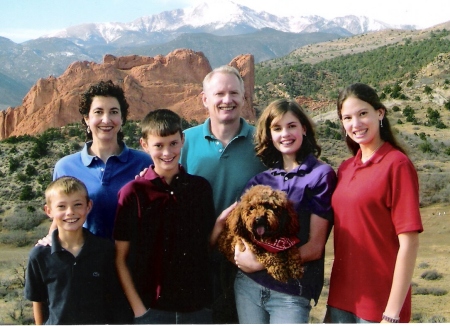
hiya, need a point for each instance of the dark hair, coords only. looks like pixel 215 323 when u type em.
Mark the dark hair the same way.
pixel 265 149
pixel 161 122
pixel 107 89
pixel 367 94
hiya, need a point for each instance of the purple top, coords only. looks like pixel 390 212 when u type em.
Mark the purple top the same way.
pixel 309 187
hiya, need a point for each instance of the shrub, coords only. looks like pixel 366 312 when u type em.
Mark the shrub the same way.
pixel 23 221
pixel 425 147
pixel 417 317
pixel 423 265
pixel 15 238
pixel 437 319
pixel 13 164
pixel 30 170
pixel 22 177
pixel 26 193
pixel 431 275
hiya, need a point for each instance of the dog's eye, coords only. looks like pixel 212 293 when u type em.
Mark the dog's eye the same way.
pixel 269 206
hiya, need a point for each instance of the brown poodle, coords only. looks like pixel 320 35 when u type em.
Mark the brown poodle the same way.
pixel 268 223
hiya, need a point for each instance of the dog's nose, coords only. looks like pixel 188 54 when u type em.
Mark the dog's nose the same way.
pixel 258 219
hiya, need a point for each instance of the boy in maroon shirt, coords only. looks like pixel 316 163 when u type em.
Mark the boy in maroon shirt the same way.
pixel 162 226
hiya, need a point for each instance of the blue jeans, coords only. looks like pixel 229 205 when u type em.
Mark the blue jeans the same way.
pixel 257 304
pixel 338 316
pixel 153 316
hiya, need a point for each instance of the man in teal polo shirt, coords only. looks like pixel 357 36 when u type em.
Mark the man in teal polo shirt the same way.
pixel 222 151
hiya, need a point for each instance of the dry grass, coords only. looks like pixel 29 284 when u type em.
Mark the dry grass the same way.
pixel 434 253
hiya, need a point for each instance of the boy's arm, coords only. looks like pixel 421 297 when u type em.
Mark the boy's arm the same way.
pixel 122 249
pixel 38 312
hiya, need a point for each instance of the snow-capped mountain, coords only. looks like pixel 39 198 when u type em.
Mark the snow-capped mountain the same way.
pixel 229 18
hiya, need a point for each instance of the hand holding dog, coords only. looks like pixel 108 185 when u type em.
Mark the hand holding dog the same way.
pixel 246 259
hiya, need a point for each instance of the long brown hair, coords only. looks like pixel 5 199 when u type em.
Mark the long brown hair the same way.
pixel 367 94
pixel 264 147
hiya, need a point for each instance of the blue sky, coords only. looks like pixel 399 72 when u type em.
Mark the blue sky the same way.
pixel 21 20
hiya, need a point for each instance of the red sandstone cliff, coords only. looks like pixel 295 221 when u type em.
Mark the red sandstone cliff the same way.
pixel 173 82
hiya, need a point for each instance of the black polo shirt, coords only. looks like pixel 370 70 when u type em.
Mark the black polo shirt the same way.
pixel 78 290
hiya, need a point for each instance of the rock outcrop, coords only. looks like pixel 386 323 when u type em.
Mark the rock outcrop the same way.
pixel 173 82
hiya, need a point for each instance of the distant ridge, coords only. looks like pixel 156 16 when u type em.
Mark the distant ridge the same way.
pixel 229 18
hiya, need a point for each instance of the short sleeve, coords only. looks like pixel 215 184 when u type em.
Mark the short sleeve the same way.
pixel 35 288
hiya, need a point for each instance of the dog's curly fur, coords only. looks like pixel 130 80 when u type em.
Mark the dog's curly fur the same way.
pixel 265 215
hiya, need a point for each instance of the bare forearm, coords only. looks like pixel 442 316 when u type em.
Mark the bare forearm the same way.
pixel 38 313
pixel 130 290
pixel 314 248
pixel 404 268
pixel 122 250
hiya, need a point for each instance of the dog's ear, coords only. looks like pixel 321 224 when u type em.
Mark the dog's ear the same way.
pixel 234 219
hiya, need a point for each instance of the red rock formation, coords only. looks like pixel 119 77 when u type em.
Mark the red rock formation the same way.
pixel 173 82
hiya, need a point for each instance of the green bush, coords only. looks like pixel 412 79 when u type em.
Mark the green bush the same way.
pixel 23 220
pixel 426 147
pixel 13 164
pixel 437 319
pixel 423 265
pixel 429 291
pixel 26 193
pixel 431 275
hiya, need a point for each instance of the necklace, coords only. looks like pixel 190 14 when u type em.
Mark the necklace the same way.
pixel 371 154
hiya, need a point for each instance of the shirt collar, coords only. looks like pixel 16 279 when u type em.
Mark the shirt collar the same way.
pixel 377 156
pixel 152 175
pixel 245 130
pixel 56 244
pixel 304 168
pixel 87 159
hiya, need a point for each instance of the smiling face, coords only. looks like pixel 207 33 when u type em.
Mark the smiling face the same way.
pixel 165 152
pixel 361 121
pixel 224 98
pixel 287 134
pixel 68 210
pixel 104 119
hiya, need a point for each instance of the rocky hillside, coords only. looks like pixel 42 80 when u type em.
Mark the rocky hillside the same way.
pixel 173 81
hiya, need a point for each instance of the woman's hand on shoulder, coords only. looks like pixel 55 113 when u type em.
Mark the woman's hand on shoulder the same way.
pixel 45 241
pixel 141 174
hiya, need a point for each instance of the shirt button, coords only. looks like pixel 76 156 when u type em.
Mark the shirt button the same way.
pixel 171 192
pixel 221 150
pixel 74 263
pixel 285 178
pixel 217 143
pixel 102 169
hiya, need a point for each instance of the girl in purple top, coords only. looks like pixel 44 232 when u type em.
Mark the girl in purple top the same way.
pixel 285 142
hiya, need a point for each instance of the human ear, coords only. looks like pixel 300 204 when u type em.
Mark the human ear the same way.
pixel 204 100
pixel 47 211
pixel 89 205
pixel 144 144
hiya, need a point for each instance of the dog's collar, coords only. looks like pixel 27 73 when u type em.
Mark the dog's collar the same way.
pixel 279 244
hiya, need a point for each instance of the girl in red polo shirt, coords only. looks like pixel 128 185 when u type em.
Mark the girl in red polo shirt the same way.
pixel 377 218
